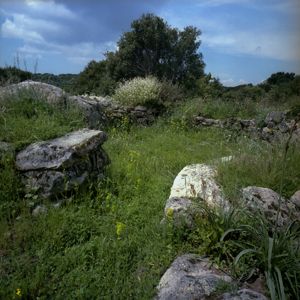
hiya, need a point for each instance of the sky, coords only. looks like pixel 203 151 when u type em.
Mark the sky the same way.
pixel 242 41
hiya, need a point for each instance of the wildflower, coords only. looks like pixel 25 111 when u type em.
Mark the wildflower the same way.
pixel 120 227
pixel 170 213
pixel 18 292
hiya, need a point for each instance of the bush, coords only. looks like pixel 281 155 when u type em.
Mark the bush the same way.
pixel 170 93
pixel 139 91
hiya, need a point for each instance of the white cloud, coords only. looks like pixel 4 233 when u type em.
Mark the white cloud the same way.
pixel 27 28
pixel 277 45
pixel 80 53
pixel 50 7
pixel 10 29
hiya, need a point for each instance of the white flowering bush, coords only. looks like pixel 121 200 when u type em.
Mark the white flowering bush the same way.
pixel 139 91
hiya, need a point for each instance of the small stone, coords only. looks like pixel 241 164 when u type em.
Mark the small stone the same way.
pixel 39 210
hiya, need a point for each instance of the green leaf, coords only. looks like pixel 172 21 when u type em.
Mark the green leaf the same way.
pixel 242 253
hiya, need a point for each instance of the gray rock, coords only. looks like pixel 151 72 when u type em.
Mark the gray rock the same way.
pixel 180 211
pixel 275 117
pixel 198 181
pixel 243 294
pixel 93 110
pixel 39 210
pixel 190 277
pixel 268 202
pixel 62 164
pixel 296 199
pixel 50 93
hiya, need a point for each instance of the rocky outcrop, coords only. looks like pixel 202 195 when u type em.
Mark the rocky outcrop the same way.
pixel 55 166
pixel 269 202
pixel 192 277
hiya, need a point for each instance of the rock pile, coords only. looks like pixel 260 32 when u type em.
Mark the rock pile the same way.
pixel 274 128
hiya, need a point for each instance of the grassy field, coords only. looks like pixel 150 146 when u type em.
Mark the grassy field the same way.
pixel 108 242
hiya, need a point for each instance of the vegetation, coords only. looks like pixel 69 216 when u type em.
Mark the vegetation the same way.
pixel 107 240
pixel 152 47
pixel 27 118
pixel 10 75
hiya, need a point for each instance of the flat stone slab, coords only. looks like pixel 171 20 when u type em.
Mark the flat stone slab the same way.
pixel 198 181
pixel 53 167
pixel 58 153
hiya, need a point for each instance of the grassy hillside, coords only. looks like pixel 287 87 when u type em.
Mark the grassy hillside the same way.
pixel 108 242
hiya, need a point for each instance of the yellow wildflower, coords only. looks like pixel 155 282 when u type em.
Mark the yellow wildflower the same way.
pixel 18 292
pixel 120 227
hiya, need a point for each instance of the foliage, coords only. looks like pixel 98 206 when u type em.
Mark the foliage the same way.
pixel 275 255
pixel 138 91
pixel 107 241
pixel 10 75
pixel 67 82
pixel 152 47
pixel 95 79
pixel 280 77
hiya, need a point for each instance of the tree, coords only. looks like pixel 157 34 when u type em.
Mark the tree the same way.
pixel 152 47
pixel 95 79
pixel 280 77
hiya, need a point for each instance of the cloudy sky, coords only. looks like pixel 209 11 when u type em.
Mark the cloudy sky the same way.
pixel 242 40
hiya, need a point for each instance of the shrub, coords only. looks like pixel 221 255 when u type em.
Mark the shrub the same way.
pixel 170 93
pixel 139 90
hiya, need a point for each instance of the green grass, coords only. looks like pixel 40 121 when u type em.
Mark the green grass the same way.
pixel 78 251
pixel 26 118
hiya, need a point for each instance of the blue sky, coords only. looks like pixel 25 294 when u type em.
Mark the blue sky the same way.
pixel 242 40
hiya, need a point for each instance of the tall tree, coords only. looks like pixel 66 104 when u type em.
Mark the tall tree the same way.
pixel 152 47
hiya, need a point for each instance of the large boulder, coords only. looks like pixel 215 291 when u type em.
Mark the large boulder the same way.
pixel 269 202
pixel 192 277
pixel 52 167
pixel 50 93
pixel 198 181
pixel 193 185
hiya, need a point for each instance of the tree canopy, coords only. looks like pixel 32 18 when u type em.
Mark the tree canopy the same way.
pixel 152 47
